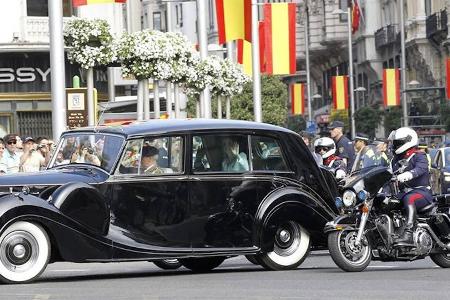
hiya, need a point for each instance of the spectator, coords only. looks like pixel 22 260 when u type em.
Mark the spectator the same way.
pixel 43 148
pixel 19 145
pixel 2 148
pixel 343 144
pixel 31 160
pixel 10 160
pixel 85 155
pixel 69 148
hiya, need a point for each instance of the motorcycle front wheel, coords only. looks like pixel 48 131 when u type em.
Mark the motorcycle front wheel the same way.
pixel 346 254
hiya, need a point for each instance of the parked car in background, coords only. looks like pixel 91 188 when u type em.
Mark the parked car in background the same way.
pixel 440 171
pixel 199 191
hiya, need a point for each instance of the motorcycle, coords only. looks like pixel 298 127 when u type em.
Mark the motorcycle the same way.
pixel 372 220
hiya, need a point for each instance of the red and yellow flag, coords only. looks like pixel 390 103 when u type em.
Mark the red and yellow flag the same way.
pixel 234 20
pixel 279 19
pixel 340 92
pixel 355 16
pixel 297 98
pixel 391 87
pixel 448 78
pixel 77 3
pixel 244 53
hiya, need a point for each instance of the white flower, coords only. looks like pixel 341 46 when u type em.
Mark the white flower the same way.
pixel 90 42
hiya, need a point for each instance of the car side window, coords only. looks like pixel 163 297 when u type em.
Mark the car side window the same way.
pixel 152 156
pixel 220 153
pixel 267 154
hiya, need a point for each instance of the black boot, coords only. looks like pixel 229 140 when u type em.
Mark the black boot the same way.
pixel 406 239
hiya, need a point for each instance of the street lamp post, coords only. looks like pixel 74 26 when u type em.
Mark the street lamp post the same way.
pixel 402 46
pixel 350 67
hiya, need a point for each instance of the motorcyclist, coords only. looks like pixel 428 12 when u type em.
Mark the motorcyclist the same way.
pixel 411 165
pixel 326 148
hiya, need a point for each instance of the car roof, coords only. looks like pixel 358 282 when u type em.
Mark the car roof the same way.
pixel 140 128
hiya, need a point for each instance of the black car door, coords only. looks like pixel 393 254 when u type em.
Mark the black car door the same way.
pixel 223 195
pixel 149 205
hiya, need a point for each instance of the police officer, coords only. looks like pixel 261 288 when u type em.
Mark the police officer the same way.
pixel 343 144
pixel 326 148
pixel 381 152
pixel 414 178
pixel 365 156
pixel 423 147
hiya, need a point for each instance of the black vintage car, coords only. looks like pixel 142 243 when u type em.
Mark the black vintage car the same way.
pixel 199 191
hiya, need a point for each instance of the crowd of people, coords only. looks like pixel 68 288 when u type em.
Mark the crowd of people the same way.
pixel 24 155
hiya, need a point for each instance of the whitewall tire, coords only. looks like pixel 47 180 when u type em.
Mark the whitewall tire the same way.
pixel 24 252
pixel 291 247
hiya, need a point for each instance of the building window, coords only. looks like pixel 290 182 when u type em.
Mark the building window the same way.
pixel 427 7
pixel 211 14
pixel 343 4
pixel 157 21
pixel 39 8
pixel 179 14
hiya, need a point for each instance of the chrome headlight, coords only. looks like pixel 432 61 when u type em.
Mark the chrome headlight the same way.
pixel 349 198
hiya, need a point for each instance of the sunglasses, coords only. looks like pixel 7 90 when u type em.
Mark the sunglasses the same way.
pixel 12 142
pixel 319 148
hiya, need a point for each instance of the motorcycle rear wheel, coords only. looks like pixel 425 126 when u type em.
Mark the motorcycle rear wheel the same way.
pixel 348 256
pixel 441 259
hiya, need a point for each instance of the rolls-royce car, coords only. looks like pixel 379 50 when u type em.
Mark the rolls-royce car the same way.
pixel 440 171
pixel 197 191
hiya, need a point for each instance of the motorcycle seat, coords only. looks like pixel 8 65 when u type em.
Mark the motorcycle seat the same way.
pixel 426 209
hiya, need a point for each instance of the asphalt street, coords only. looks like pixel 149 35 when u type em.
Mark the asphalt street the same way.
pixel 317 278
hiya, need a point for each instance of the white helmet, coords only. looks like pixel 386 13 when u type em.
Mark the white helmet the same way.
pixel 404 138
pixel 326 144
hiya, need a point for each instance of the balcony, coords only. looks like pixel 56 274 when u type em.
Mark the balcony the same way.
pixel 37 30
pixel 436 27
pixel 386 36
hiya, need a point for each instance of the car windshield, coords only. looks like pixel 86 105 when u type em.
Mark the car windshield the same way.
pixel 447 156
pixel 100 150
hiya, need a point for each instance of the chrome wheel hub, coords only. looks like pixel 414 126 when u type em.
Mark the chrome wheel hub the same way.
pixel 284 236
pixel 19 251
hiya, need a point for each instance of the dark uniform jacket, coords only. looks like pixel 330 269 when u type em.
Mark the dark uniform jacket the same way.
pixel 417 164
pixel 345 150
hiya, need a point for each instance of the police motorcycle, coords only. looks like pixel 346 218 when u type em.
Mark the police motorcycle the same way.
pixel 372 219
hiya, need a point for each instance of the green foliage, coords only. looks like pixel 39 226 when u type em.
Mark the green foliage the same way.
pixel 445 115
pixel 367 120
pixel 392 118
pixel 274 102
pixel 340 115
pixel 296 123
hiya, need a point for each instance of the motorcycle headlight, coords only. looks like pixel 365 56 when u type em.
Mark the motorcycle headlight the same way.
pixel 349 198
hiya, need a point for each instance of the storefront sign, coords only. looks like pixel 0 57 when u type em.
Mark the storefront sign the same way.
pixel 25 74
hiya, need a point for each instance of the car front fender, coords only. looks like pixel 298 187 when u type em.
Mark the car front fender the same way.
pixel 289 203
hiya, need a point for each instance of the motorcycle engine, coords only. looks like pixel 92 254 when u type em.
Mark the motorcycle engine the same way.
pixel 423 241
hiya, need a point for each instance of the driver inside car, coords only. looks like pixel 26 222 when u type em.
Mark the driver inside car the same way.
pixel 411 165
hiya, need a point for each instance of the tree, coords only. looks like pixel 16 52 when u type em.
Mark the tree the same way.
pixel 296 123
pixel 273 98
pixel 392 118
pixel 367 119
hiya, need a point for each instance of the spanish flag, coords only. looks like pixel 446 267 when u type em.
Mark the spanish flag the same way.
pixel 340 92
pixel 279 19
pixel 448 77
pixel 244 53
pixel 234 20
pixel 77 3
pixel 391 87
pixel 297 98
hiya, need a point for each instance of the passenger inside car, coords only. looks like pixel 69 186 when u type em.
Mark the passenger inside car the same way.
pixel 233 160
pixel 149 161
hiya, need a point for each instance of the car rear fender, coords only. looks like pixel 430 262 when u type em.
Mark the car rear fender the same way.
pixel 289 204
pixel 84 204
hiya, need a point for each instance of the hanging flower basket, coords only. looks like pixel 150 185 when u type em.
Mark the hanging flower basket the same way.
pixel 90 42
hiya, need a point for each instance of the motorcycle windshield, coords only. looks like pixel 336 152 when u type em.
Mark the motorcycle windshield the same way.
pixel 374 178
